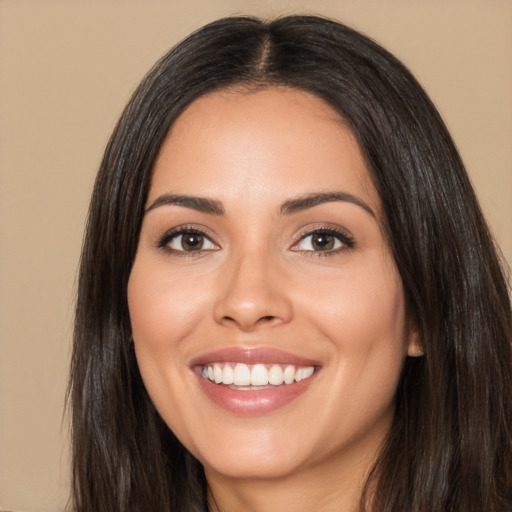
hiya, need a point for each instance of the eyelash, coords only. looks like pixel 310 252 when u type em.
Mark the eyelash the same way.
pixel 346 240
pixel 169 236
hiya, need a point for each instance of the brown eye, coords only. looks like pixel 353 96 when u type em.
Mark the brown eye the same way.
pixel 322 242
pixel 192 242
pixel 188 241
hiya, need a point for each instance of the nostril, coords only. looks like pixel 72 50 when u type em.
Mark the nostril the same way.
pixel 246 322
pixel 250 305
pixel 267 318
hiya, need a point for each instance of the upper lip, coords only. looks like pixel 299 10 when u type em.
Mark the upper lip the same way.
pixel 264 355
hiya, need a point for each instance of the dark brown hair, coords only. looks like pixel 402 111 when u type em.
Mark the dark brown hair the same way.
pixel 450 446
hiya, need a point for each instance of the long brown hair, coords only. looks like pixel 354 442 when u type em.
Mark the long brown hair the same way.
pixel 450 446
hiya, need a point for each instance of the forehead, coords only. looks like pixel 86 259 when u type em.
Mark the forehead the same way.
pixel 266 142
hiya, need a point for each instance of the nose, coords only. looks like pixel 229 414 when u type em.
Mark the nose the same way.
pixel 252 294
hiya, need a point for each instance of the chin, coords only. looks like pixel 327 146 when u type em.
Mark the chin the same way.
pixel 255 468
pixel 251 455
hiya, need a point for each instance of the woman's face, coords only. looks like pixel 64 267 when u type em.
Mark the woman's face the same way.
pixel 268 315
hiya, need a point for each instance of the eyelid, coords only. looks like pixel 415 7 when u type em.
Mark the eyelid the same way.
pixel 341 234
pixel 164 240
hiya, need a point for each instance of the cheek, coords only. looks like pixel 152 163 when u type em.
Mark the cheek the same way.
pixel 358 309
pixel 361 316
pixel 164 310
pixel 363 327
pixel 164 307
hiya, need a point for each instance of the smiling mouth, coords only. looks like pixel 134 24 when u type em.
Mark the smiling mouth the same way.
pixel 249 377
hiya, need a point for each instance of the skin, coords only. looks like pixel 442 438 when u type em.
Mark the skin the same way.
pixel 259 282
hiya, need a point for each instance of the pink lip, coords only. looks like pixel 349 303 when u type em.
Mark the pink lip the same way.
pixel 253 403
pixel 257 402
pixel 262 355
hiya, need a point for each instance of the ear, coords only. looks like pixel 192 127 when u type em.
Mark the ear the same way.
pixel 414 343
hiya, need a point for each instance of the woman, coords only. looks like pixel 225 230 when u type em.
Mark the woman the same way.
pixel 288 295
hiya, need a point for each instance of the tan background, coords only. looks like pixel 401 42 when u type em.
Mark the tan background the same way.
pixel 66 70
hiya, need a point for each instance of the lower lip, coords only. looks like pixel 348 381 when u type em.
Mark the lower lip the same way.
pixel 252 403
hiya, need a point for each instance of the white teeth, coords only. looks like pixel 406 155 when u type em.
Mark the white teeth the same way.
pixel 258 375
pixel 275 375
pixel 228 376
pixel 217 373
pixel 289 374
pixel 242 375
pixel 304 373
pixel 307 372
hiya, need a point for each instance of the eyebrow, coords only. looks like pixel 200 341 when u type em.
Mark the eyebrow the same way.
pixel 310 200
pixel 201 204
pixel 289 207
